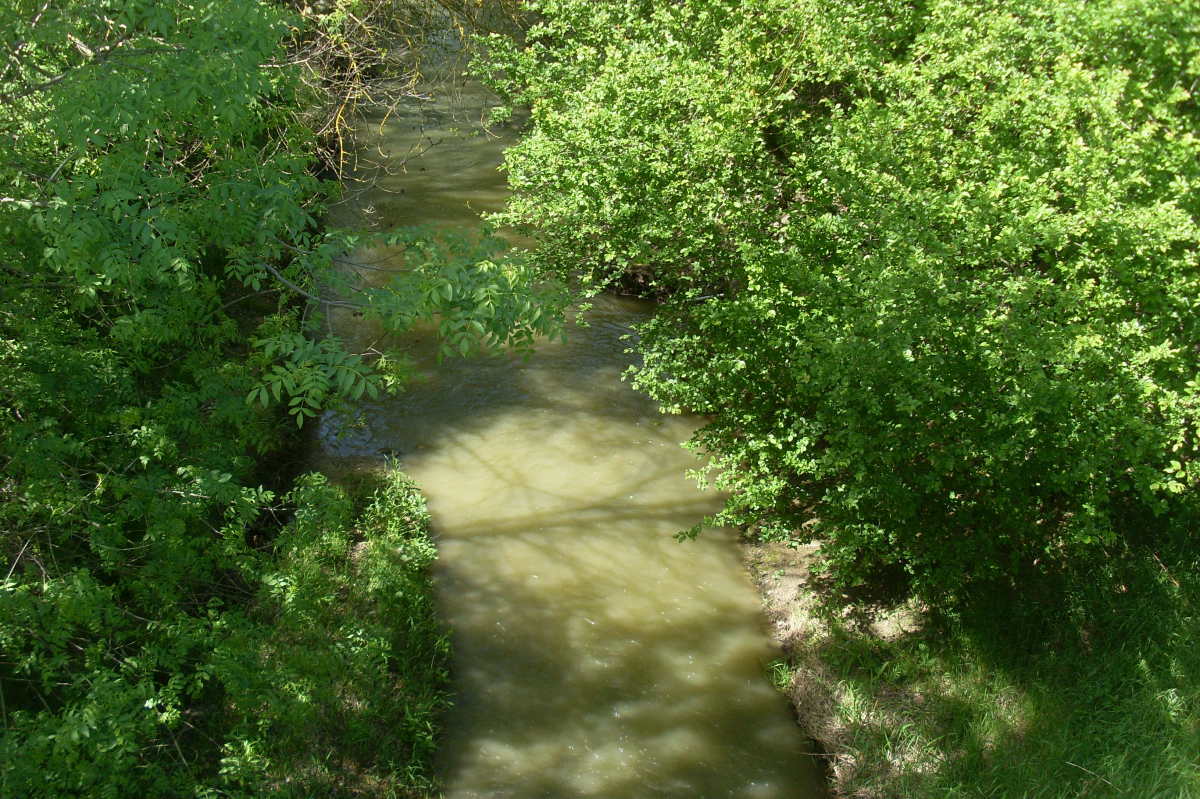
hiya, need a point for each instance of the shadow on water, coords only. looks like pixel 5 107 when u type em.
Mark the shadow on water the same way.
pixel 579 681
pixel 465 396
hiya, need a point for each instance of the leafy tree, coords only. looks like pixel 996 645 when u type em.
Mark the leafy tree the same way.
pixel 160 246
pixel 929 269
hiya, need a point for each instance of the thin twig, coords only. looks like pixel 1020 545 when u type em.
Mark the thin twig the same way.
pixel 1094 774
pixel 1163 566
pixel 236 300
pixel 17 559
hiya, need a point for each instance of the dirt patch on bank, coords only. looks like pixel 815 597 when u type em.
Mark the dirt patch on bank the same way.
pixel 790 589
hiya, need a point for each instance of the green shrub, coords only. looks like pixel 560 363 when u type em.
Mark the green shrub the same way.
pixel 334 684
pixel 931 267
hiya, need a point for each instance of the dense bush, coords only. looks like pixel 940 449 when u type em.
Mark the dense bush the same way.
pixel 327 680
pixel 930 268
pixel 335 679
pixel 147 158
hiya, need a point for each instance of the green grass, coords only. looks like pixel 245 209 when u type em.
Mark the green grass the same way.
pixel 1062 689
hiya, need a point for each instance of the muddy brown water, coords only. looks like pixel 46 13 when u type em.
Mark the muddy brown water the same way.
pixel 594 655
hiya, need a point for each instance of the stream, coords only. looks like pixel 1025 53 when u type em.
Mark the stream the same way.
pixel 594 655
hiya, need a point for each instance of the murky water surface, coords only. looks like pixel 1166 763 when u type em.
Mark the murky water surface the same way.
pixel 594 655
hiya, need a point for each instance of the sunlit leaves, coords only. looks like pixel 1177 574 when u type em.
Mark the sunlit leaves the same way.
pixel 930 270
pixel 478 296
pixel 310 374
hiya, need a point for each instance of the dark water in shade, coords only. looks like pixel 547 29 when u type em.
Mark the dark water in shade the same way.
pixel 595 656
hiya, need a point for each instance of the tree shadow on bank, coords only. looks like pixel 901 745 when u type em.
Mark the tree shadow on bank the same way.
pixel 1068 685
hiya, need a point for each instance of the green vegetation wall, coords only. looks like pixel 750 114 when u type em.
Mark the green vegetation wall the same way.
pixel 930 269
pixel 174 621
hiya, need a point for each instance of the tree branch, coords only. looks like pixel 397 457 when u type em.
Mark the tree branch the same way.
pixel 332 303
pixel 93 57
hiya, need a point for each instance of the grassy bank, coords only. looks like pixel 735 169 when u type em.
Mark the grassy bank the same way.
pixel 1061 689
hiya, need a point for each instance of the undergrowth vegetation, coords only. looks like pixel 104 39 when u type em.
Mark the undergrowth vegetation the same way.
pixel 334 681
pixel 328 679
pixel 1061 689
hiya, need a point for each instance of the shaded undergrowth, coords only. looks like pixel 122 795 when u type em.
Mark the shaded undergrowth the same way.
pixel 336 685
pixel 1064 687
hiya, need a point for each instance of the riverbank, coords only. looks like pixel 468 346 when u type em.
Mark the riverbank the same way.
pixel 1011 699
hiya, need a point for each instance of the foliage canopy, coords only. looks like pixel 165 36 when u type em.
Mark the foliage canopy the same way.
pixel 929 269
